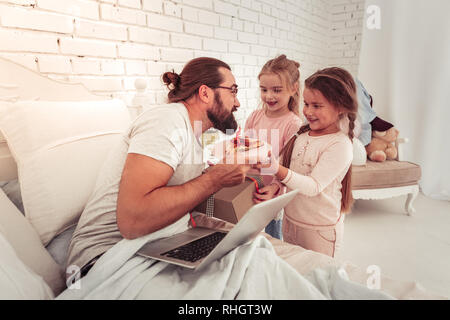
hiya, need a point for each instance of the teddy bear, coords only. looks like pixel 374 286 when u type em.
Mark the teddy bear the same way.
pixel 382 146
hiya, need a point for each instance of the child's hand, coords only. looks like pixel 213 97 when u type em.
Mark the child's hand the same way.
pixel 266 193
pixel 268 167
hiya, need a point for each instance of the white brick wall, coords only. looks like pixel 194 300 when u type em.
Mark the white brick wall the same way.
pixel 107 44
pixel 347 24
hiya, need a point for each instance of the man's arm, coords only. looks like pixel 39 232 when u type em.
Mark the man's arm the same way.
pixel 146 204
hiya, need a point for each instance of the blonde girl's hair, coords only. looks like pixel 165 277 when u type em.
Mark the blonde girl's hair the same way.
pixel 338 87
pixel 289 74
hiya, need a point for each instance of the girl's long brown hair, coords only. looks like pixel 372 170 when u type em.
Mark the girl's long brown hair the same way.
pixel 338 87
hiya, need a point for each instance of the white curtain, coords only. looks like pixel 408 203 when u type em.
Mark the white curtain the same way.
pixel 405 65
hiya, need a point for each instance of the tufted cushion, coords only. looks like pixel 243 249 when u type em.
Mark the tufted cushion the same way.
pixel 387 174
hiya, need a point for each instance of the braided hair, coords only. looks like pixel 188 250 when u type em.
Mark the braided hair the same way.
pixel 339 88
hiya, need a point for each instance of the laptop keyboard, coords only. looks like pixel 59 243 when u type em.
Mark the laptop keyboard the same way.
pixel 197 249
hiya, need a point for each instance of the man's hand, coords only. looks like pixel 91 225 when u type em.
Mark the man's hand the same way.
pixel 146 204
pixel 228 175
pixel 229 171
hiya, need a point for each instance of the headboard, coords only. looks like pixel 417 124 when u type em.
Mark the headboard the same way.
pixel 20 83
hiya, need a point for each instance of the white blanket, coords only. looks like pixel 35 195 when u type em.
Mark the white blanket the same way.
pixel 251 271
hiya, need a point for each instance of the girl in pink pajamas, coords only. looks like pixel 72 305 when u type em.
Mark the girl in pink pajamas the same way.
pixel 317 161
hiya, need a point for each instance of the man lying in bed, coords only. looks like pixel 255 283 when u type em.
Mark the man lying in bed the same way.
pixel 153 177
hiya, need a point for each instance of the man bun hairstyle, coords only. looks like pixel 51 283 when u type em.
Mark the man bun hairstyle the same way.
pixel 197 72
pixel 171 79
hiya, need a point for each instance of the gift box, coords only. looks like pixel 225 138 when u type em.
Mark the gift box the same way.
pixel 230 204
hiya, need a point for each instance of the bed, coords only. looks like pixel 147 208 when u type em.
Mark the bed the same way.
pixel 54 137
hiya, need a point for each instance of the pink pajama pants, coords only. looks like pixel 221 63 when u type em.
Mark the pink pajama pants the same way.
pixel 328 242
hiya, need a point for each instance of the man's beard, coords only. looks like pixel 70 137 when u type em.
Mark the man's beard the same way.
pixel 220 118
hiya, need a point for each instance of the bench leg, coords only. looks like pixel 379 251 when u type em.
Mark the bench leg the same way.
pixel 411 197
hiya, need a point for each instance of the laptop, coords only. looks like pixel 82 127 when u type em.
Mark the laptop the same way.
pixel 199 246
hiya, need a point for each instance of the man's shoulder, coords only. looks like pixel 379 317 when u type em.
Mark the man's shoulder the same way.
pixel 164 110
pixel 163 114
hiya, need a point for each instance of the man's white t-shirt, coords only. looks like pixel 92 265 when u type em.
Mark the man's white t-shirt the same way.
pixel 163 133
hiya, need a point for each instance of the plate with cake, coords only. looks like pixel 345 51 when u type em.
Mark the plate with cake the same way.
pixel 240 150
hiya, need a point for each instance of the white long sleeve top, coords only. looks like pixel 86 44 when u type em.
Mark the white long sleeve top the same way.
pixel 318 166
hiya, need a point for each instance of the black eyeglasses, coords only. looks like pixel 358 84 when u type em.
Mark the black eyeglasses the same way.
pixel 233 89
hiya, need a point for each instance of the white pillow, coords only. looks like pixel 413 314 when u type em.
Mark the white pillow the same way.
pixel 27 245
pixel 16 280
pixel 24 261
pixel 59 148
pixel 12 191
